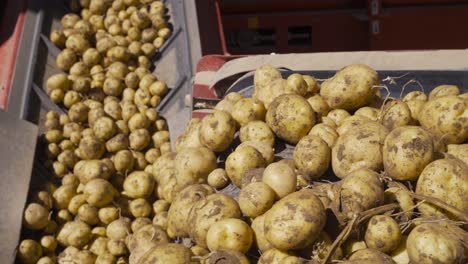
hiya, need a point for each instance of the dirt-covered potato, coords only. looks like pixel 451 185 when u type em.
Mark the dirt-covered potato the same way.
pixel 65 59
pixel 257 131
pixel 295 221
pixel 74 233
pixel 459 151
pixel 231 234
pixel 63 195
pixel 369 256
pixel 446 180
pixel 266 150
pixel 118 229
pixel 350 88
pixel 91 148
pixel 264 75
pixel 406 151
pixel 258 228
pixel 87 170
pixel 351 122
pixel 275 256
pixel 117 247
pixel 312 156
pixel 326 133
pixel 228 102
pixel 139 139
pixel 256 198
pixel 99 192
pixel 361 190
pixel 397 192
pixel 141 241
pixel 383 233
pixel 291 117
pixel 58 81
pixel 218 178
pixel 29 251
pixel 167 253
pixel 319 105
pixel 444 90
pixel 396 114
pixel 140 208
pixel 281 178
pixel 217 131
pixel 178 214
pixel 446 118
pixel 138 184
pixel 247 109
pixel 193 165
pixel 242 160
pixel 208 211
pixel 36 216
pixel 88 214
pixel 359 148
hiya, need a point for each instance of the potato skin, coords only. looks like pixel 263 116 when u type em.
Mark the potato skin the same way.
pixel 217 131
pixel 242 160
pixel 447 180
pixel 383 233
pixel 433 243
pixel 291 117
pixel 369 256
pixel 281 178
pixel 446 117
pixel 350 88
pixel 256 198
pixel 312 156
pixel 359 148
pixel 247 109
pixel 230 234
pixel 396 114
pixel 257 131
pixel 295 221
pixel 407 150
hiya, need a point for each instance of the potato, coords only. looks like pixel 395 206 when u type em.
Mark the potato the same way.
pixel 443 90
pixel 87 170
pixel 247 109
pixel 138 184
pixel 262 147
pixel 47 260
pixel 43 198
pixel 258 228
pixel 242 160
pixel 178 213
pixel 99 192
pixel 217 131
pixel 275 256
pixel 118 53
pixel 396 114
pixel 145 238
pixel 58 38
pixel 350 123
pixel 63 216
pixel 368 256
pixel 228 102
pixel 359 148
pixel 117 143
pixel 137 120
pixel 158 88
pixel 76 202
pixel 139 223
pixel 459 151
pixel 106 258
pixel 58 81
pixel 360 190
pixel 91 148
pixel 230 234
pixel 338 116
pixel 29 251
pixel 218 178
pixel 117 247
pixel 290 117
pixel 446 118
pixel 54 136
pixel 167 253
pixel 446 180
pixel 257 131
pixel 118 229
pixel 113 110
pixel 36 216
pixel 319 106
pixel 264 75
pixel 63 195
pixel 113 86
pixel 77 43
pixel 51 228
pixel 312 156
pixel 256 198
pixel 78 112
pixel 124 161
pixel 350 88
pixel 407 150
pixel 208 211
pixel 383 233
pixel 295 221
pixel 140 208
pixel 193 165
pixel 281 178
pixel 326 133
pixel 79 69
pixel 190 138
pixel 74 233
pixel 397 192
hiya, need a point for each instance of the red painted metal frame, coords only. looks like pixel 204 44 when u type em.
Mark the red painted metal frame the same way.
pixel 13 18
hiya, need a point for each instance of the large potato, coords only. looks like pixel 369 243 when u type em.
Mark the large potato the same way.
pixel 291 117
pixel 231 234
pixel 241 161
pixel 446 180
pixel 361 190
pixel 193 165
pixel 431 243
pixel 208 211
pixel 217 131
pixel 312 156
pixel 350 88
pixel 359 148
pixel 295 221
pixel 407 150
pixel 446 117
pixel 178 213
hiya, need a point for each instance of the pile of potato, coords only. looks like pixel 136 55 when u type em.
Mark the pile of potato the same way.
pixel 304 171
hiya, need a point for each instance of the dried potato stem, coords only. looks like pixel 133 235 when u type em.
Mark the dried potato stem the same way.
pixel 437 202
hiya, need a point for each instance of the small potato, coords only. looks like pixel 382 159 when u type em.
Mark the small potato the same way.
pixel 396 114
pixel 446 180
pixel 132 80
pixel 312 86
pixel 74 233
pixel 319 105
pixel 242 160
pixel 148 35
pixel 361 190
pixel 118 53
pixel 58 81
pixel 406 152
pixel 69 20
pixel 29 251
pixel 444 90
pixel 326 133
pixel 78 112
pixel 281 178
pixel 63 195
pixel 124 161
pixel 257 131
pixel 256 198
pixel 113 110
pixel 139 139
pixel 158 21
pixel 91 147
pixel 117 247
pixel 295 83
pixel 161 220
pixel 193 165
pixel 228 102
pixel 99 192
pixel 48 243
pixel 140 207
pixel 383 233
pixel 63 216
pixel 140 20
pixel 104 128
pixel 77 43
pixel 338 116
pixel 368 256
pixel 217 131
pixel 71 98
pixel 158 88
pixel 312 156
pixel 138 184
pixel 87 170
pixel 113 86
pixel 218 178
pixel 291 117
pixel 160 137
pixel 230 234
pixel 139 222
pixel 108 214
pixel 415 95
pixel 350 88
pixel 267 152
pixel 283 221
pixel 264 75
pixel 43 198
pixel 202 219
pixel 104 44
pixel 117 143
pixel 58 38
pixel 168 253
pixel 434 243
pixel 118 229
pixel 75 203
pixel 65 59
pixel 247 110
pixel 36 216
pixel 161 206
pixel 82 84
pixel 88 214
pixel 137 120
